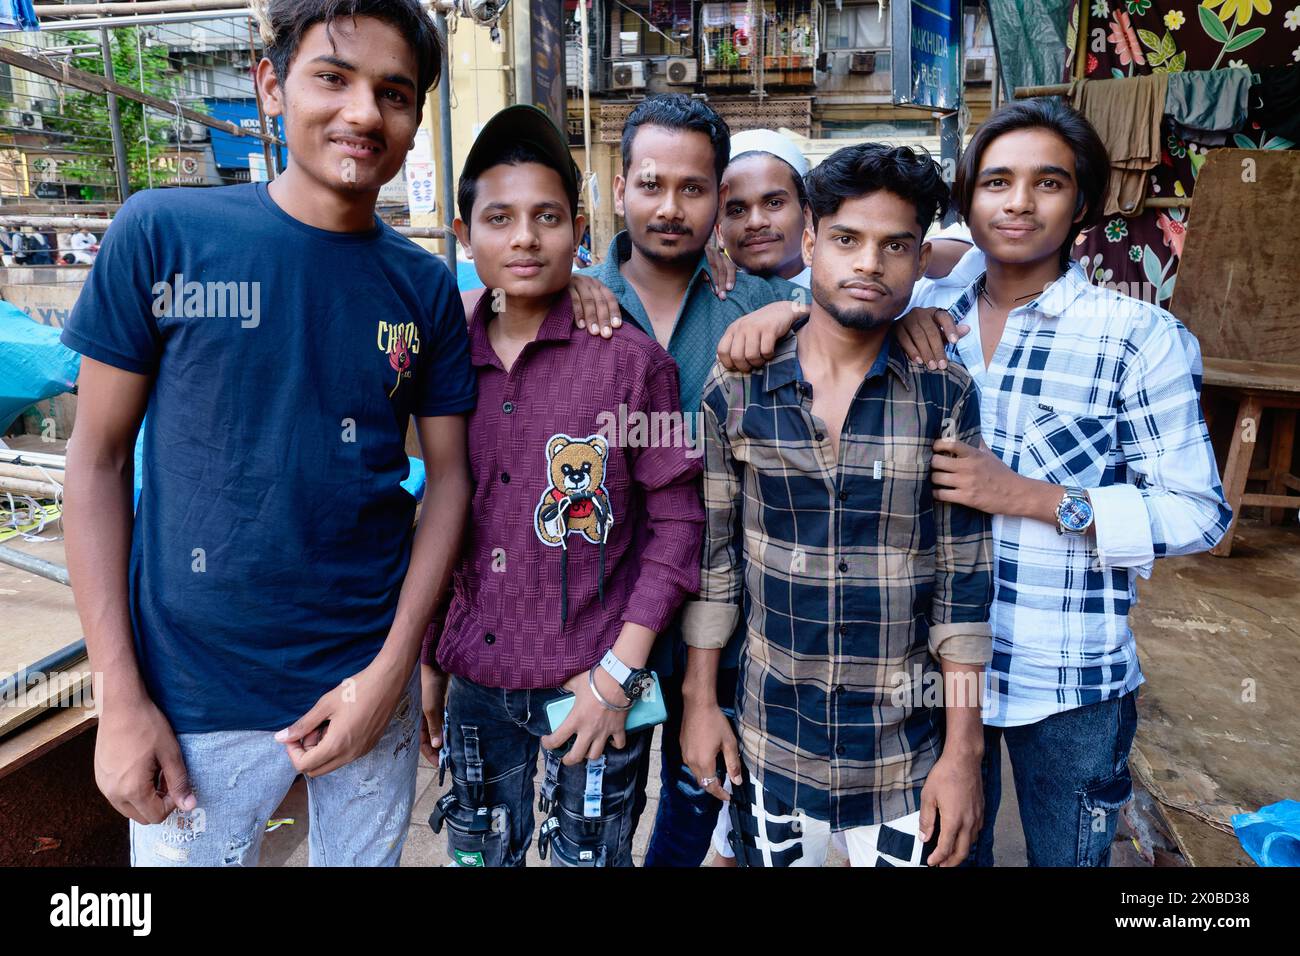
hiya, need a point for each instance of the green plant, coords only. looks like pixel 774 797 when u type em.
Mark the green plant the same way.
pixel 84 121
pixel 727 55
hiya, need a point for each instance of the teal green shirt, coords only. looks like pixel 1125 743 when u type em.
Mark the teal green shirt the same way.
pixel 702 319
pixel 703 316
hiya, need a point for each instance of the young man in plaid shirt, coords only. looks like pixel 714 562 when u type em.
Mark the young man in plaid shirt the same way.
pixel 865 600
pixel 1095 461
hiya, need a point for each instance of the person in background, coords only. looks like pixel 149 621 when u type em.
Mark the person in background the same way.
pixel 765 206
pixel 84 245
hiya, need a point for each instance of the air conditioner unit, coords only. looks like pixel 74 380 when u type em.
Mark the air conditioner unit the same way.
pixel 629 75
pixel 188 133
pixel 977 70
pixel 31 121
pixel 682 71
pixel 862 63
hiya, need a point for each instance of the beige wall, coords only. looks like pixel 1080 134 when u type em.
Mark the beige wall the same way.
pixel 481 84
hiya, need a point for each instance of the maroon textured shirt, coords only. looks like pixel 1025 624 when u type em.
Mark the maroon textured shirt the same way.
pixel 557 466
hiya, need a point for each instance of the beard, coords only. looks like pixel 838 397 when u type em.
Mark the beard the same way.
pixel 681 256
pixel 860 318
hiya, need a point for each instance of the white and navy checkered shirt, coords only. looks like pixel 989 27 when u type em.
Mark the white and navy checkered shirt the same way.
pixel 1092 389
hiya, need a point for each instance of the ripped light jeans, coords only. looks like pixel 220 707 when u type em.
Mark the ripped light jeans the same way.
pixel 359 814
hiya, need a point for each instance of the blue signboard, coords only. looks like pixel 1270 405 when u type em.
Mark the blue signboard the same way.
pixel 231 152
pixel 927 52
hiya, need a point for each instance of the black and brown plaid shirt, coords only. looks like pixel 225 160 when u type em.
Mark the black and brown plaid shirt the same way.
pixel 853 579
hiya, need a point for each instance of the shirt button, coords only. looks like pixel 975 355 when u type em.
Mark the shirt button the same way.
pixel 507 407
pixel 505 477
pixel 844 566
pixel 839 688
pixel 840 750
pixel 819 436
pixel 844 629
pixel 489 638
pixel 844 496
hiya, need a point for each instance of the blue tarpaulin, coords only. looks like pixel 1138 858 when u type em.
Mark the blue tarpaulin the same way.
pixel 34 364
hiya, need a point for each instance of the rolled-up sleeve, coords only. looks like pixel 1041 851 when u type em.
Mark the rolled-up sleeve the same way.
pixel 1173 501
pixel 710 621
pixel 963 563
pixel 669 479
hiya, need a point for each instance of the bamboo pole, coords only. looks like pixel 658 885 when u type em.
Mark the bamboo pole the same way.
pixel 18 456
pixel 58 11
pixel 30 473
pixel 36 489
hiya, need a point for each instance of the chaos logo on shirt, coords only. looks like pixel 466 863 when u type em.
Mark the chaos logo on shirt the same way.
pixel 575 500
pixel 400 341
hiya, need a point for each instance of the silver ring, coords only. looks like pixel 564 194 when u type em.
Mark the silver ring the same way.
pixel 708 781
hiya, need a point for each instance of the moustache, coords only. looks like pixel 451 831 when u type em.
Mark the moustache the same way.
pixel 671 230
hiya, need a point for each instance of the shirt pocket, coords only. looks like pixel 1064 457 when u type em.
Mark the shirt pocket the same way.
pixel 1067 449
pixel 904 483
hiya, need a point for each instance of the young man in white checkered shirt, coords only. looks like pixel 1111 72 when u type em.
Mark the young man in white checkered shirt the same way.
pixel 1096 462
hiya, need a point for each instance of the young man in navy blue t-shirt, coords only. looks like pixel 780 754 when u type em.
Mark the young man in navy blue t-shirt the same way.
pixel 262 616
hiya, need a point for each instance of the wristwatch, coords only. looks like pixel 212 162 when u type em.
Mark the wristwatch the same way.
pixel 634 682
pixel 1074 514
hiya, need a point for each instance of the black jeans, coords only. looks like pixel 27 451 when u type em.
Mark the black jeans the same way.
pixel 492 741
pixel 683 826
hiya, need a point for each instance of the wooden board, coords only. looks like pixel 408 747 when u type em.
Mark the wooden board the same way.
pixel 1236 286
pixel 1259 376
pixel 38 738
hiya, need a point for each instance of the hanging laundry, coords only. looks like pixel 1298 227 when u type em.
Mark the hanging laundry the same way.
pixel 1206 105
pixel 18 15
pixel 1275 101
pixel 1126 114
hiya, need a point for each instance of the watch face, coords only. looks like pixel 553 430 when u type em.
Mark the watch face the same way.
pixel 639 685
pixel 1076 514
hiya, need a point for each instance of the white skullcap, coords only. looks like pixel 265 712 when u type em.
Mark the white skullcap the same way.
pixel 770 141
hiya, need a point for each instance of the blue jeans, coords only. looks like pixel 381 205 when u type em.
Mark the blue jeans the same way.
pixel 1072 777
pixel 358 814
pixel 492 741
pixel 683 827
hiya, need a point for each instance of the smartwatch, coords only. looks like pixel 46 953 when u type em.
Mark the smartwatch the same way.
pixel 634 682
pixel 1074 514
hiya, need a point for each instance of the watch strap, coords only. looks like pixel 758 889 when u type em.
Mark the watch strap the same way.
pixel 615 668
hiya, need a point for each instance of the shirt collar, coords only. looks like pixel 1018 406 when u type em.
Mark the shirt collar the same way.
pixel 1054 302
pixel 556 327
pixel 784 368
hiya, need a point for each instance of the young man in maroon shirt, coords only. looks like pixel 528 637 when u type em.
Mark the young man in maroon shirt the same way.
pixel 578 550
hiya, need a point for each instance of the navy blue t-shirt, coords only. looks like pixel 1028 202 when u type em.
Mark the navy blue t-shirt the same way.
pixel 272 535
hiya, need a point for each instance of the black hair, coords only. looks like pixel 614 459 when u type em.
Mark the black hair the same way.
pixel 1091 161
pixel 800 189
pixel 512 155
pixel 290 19
pixel 679 112
pixel 869 167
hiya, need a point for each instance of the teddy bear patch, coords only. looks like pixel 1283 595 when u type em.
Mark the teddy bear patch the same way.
pixel 575 501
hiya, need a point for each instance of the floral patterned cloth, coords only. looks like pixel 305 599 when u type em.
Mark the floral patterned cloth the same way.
pixel 1139 256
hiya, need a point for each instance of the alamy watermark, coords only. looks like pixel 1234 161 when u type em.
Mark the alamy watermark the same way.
pixel 191 299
